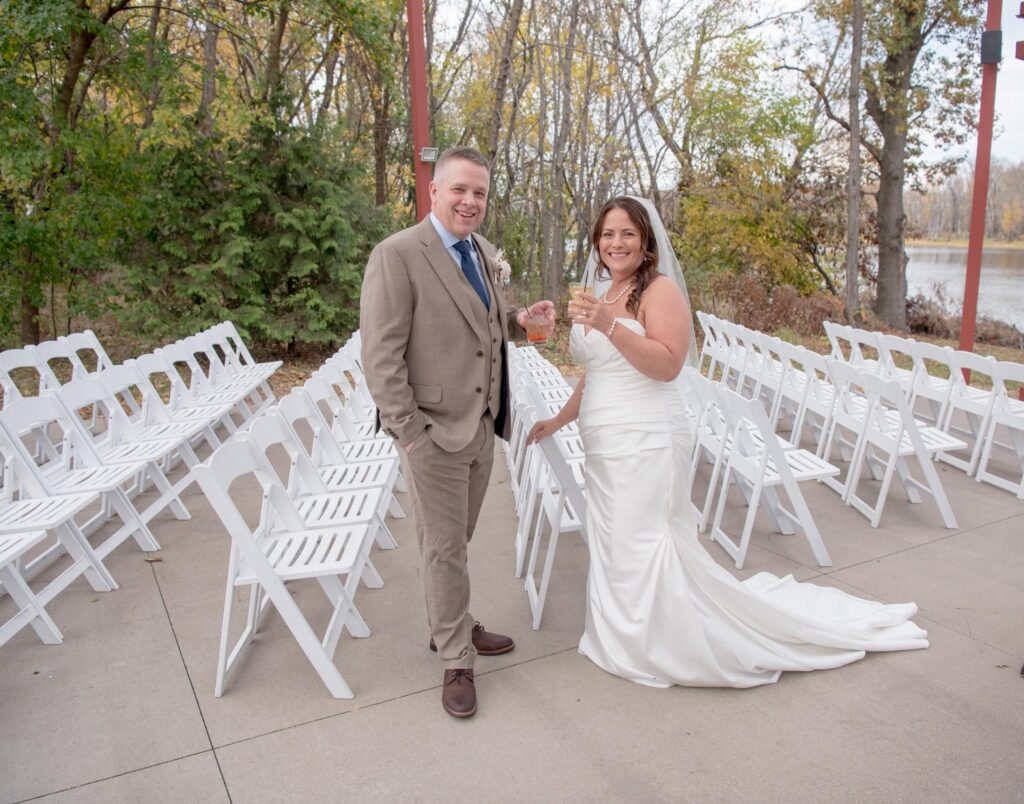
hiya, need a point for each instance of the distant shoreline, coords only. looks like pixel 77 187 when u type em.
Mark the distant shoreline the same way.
pixel 1017 245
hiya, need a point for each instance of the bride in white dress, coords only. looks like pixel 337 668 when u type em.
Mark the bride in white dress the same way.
pixel 660 611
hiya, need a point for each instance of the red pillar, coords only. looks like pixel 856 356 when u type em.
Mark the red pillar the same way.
pixel 981 170
pixel 418 92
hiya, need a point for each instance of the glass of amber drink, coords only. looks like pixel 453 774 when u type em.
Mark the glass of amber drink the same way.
pixel 538 328
pixel 574 305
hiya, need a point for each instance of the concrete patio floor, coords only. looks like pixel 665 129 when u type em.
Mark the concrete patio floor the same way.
pixel 124 709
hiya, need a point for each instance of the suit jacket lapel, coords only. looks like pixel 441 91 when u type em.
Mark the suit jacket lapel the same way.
pixel 447 271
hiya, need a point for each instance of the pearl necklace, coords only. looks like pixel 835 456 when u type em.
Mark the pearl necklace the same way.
pixel 622 293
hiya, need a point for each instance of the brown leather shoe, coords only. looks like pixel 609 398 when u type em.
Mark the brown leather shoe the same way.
pixel 486 643
pixel 458 694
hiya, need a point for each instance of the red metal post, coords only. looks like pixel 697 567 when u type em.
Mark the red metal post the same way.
pixel 418 92
pixel 981 170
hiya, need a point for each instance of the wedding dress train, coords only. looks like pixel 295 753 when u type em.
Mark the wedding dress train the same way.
pixel 660 611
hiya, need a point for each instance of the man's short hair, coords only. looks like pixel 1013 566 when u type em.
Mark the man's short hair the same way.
pixel 463 152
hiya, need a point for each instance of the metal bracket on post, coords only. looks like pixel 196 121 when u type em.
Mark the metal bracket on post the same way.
pixel 991 47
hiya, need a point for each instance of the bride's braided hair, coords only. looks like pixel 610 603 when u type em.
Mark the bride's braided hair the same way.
pixel 648 269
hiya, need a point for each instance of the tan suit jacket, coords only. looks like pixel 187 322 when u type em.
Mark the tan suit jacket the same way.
pixel 433 357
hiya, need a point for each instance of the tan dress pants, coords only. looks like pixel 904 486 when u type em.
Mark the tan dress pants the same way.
pixel 447 491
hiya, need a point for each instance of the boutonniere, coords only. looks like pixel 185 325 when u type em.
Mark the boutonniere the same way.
pixel 504 269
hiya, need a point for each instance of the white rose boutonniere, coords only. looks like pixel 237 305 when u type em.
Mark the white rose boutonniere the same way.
pixel 504 269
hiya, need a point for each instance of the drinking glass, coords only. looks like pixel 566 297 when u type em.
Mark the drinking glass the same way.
pixel 538 328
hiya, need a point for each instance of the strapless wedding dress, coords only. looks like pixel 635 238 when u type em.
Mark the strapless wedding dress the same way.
pixel 660 611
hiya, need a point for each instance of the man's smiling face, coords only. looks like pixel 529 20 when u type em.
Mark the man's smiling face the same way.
pixel 458 196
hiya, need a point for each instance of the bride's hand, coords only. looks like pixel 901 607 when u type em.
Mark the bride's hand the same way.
pixel 542 429
pixel 591 313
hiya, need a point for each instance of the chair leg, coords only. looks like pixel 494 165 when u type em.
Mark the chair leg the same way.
pixel 31 611
pixel 748 525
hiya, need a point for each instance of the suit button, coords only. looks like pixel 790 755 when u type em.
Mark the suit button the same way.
pixel 480 353
pixel 479 390
pixel 494 340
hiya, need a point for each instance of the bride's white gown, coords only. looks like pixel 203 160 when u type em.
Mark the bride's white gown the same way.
pixel 660 611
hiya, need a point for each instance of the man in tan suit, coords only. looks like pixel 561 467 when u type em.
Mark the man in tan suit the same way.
pixel 434 328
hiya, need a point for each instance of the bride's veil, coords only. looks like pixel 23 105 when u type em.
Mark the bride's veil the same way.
pixel 668 264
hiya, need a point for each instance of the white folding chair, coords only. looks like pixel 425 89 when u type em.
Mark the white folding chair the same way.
pixel 1008 414
pixel 973 403
pixel 893 350
pixel 263 560
pixel 933 381
pixel 562 510
pixel 886 435
pixel 758 463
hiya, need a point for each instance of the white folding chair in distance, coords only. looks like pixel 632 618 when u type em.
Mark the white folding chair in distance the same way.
pixel 886 435
pixel 241 351
pixel 371 449
pixel 933 381
pixel 347 422
pixel 258 393
pixel 974 404
pixel 236 356
pixel 200 389
pixel 264 560
pixel 1008 414
pixel 562 510
pixel 181 405
pixel 792 387
pixel 893 350
pixel 758 463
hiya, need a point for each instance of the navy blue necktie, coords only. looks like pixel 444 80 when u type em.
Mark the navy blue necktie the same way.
pixel 472 274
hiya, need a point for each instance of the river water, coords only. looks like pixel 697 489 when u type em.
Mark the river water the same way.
pixel 1001 293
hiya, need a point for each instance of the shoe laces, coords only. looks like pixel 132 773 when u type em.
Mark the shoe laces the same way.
pixel 458 674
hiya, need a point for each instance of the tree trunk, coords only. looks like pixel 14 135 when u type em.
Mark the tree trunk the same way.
pixel 209 92
pixel 891 298
pixel 381 128
pixel 853 177
pixel 153 88
pixel 504 70
pixel 29 311
pixel 273 77
pixel 556 271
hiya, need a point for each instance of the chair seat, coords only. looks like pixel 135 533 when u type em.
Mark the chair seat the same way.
pixel 307 554
pixel 368 450
pixel 15 545
pixel 368 474
pixel 42 513
pixel 137 451
pixel 96 478
pixel 327 510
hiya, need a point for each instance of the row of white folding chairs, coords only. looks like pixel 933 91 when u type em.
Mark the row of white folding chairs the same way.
pixel 54 466
pixel 317 521
pixel 548 480
pixel 76 475
pixel 935 386
pixel 940 377
pixel 856 411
